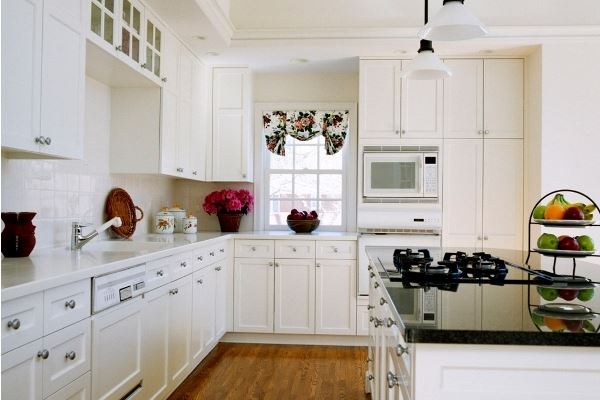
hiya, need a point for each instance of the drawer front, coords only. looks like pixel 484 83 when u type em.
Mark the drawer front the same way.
pixel 201 258
pixel 254 248
pixel 294 249
pixel 68 356
pixel 336 249
pixel 362 320
pixel 183 265
pixel 158 272
pixel 80 389
pixel 217 253
pixel 66 305
pixel 22 321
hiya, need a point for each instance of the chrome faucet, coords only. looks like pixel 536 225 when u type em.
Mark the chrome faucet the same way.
pixel 78 239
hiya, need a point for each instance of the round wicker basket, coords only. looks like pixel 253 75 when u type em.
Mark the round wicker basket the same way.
pixel 119 204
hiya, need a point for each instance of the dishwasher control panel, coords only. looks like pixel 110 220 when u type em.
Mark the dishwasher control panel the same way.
pixel 111 289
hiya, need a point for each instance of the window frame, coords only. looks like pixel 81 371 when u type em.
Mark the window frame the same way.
pixel 349 166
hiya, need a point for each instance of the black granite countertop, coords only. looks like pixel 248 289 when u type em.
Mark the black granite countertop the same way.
pixel 510 314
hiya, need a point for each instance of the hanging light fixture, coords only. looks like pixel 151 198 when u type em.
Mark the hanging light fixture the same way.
pixel 453 22
pixel 426 65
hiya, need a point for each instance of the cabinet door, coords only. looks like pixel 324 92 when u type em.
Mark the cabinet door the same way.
pixel 379 97
pixel 295 296
pixel 462 310
pixel 131 43
pixel 221 299
pixel 103 29
pixel 198 128
pixel 63 77
pixel 203 312
pixel 21 73
pixel 79 389
pixel 168 132
pixel 155 343
pixel 503 98
pixel 180 329
pixel 503 194
pixel 232 139
pixel 170 60
pixel 253 295
pixel 336 297
pixel 22 320
pixel 184 113
pixel 422 108
pixel 463 99
pixel 117 350
pixel 153 45
pixel 22 373
pixel 462 199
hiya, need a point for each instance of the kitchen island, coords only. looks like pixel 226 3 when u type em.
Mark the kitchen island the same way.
pixel 478 339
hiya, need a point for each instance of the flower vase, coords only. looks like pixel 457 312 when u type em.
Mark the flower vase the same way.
pixel 229 222
pixel 18 236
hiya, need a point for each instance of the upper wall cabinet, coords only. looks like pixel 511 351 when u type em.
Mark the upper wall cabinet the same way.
pixel 393 107
pixel 232 144
pixel 43 77
pixel 484 98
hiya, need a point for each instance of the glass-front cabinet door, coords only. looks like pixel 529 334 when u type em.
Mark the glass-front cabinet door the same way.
pixel 131 30
pixel 153 45
pixel 102 22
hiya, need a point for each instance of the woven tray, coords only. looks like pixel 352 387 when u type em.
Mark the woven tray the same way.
pixel 119 204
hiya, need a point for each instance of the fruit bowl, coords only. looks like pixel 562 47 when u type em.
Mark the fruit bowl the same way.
pixel 303 225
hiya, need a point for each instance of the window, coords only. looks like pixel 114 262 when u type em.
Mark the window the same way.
pixel 306 179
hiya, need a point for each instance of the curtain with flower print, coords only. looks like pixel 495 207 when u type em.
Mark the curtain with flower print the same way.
pixel 303 126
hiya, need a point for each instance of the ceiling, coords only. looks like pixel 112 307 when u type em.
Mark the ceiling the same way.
pixel 331 34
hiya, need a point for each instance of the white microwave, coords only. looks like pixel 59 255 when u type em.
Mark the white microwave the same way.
pixel 400 174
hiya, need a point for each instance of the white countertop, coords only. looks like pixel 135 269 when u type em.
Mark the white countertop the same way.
pixel 47 268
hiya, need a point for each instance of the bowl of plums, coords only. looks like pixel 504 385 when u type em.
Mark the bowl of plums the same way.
pixel 303 221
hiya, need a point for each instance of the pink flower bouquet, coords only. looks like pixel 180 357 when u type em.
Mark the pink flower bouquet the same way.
pixel 228 201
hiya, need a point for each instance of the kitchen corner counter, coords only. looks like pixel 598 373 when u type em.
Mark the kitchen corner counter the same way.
pixel 289 235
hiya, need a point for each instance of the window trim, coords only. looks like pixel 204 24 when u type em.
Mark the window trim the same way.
pixel 261 220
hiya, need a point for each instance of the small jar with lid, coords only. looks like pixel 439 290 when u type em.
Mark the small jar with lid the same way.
pixel 179 214
pixel 164 221
pixel 190 224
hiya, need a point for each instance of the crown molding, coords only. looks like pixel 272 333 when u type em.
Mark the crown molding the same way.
pixel 218 18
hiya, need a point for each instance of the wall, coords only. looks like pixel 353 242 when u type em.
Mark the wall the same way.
pixel 61 191
pixel 304 87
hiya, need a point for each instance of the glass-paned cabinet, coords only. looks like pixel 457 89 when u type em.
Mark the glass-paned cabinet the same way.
pixel 153 46
pixel 131 29
pixel 103 20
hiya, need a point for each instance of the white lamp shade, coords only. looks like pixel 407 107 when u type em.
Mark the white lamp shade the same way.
pixel 426 66
pixel 453 22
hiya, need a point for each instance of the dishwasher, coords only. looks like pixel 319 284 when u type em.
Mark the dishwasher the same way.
pixel 117 334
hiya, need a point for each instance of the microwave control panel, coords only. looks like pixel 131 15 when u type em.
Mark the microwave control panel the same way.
pixel 429 306
pixel 430 175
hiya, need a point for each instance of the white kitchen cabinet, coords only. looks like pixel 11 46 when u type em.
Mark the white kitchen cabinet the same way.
pixel 203 312
pixel 221 313
pixel 66 304
pixel 79 389
pixel 22 372
pixel 335 297
pixel 295 296
pixel 180 329
pixel 232 139
pixel 153 45
pixel 103 24
pixel 484 98
pixel 131 23
pixel 253 295
pixel 22 320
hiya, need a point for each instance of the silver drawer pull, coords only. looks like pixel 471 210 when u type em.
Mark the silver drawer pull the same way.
pixel 335 249
pixel 376 285
pixel 372 274
pixel 71 355
pixel 218 268
pixel 371 318
pixel 318 265
pixel 15 324
pixel 43 354
pixel 370 307
pixel 253 248
pixel 390 322
pixel 401 350
pixel 377 322
pixel 200 281
pixel 173 291
pixel 160 272
pixel 222 250
pixel 276 264
pixel 382 301
pixel 183 264
pixel 212 253
pixel 369 268
pixel 370 377
pixel 200 258
pixel 294 249
pixel 392 380
pixel 70 304
pixel 270 264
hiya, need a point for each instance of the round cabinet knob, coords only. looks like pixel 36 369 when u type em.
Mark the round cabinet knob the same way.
pixel 369 268
pixel 71 355
pixel 194 172
pixel 485 238
pixel 487 132
pixel 294 249
pixel 370 307
pixel 200 281
pixel 382 301
pixel 164 79
pixel 397 132
pixel 144 65
pixel 179 169
pixel 222 250
pixel 212 253
pixel 276 264
pixel 401 350
pixel 318 265
pixel 40 140
pixel 403 132
pixel 392 380
pixel 15 323
pixel 160 273
pixel 243 175
pixel 390 322
pixel 183 264
pixel 119 48
pixel 253 248
pixel 480 132
pixel 217 268
pixel 370 377
pixel 335 250
pixel 47 141
pixel 70 304
pixel 43 354
pixel 270 264
pixel 372 274
pixel 200 258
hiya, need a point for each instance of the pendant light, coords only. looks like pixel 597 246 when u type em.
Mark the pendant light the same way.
pixel 426 65
pixel 453 22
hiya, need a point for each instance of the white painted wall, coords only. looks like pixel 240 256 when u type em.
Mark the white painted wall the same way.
pixel 306 87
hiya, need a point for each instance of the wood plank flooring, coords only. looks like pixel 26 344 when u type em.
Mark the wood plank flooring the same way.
pixel 280 372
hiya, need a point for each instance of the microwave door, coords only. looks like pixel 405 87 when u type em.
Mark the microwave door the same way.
pixel 393 175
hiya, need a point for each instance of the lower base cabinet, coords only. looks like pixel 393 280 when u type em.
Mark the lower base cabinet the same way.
pixel 180 329
pixel 335 297
pixel 22 372
pixel 203 312
pixel 80 389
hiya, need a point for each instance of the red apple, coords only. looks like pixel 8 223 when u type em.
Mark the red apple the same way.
pixel 573 212
pixel 294 211
pixel 568 243
pixel 310 217
pixel 573 325
pixel 568 294
pixel 314 214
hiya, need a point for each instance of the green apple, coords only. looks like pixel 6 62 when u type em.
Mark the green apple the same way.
pixel 586 294
pixel 548 294
pixel 588 326
pixel 538 320
pixel 547 241
pixel 538 212
pixel 586 243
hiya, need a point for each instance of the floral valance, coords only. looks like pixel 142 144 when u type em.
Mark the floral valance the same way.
pixel 303 126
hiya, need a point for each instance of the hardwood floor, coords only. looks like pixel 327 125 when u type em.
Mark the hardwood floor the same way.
pixel 279 372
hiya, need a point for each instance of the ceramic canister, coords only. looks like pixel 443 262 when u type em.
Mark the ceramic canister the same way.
pixel 164 221
pixel 190 224
pixel 179 214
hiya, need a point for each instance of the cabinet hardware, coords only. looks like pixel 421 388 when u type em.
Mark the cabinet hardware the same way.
pixel 164 79
pixel 47 140
pixel 270 264
pixel 222 250
pixel 160 273
pixel 370 377
pixel 377 322
pixel 243 175
pixel 276 264
pixel 403 132
pixel 212 253
pixel 43 354
pixel 71 355
pixel 200 281
pixel 397 132
pixel 382 301
pixel 392 380
pixel 15 324
pixel 174 291
pixel 370 307
pixel 183 264
pixel 200 258
pixel 369 360
pixel 179 169
pixel 480 132
pixel 144 65
pixel 390 322
pixel 70 304
pixel 479 238
pixel 486 132
pixel 376 285
pixel 401 350
pixel 371 318
pixel 42 140
pixel 294 249
pixel 335 250
pixel 119 48
pixel 372 274
pixel 253 248
pixel 369 268
pixel 485 238
pixel 194 172
pixel 218 269
pixel 318 265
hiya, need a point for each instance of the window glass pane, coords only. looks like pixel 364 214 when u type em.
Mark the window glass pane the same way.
pixel 125 41
pixel 110 5
pixel 279 211
pixel 150 33
pixel 135 48
pixel 334 161
pixel 157 43
pixel 281 162
pixel 305 205
pixel 96 23
pixel 136 20
pixel 108 28
pixel 126 11
pixel 305 186
pixel 306 157
pixel 330 212
pixel 149 58
pixel 330 186
pixel 280 185
pixel 156 65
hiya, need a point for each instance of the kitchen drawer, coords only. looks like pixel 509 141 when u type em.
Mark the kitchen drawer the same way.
pixel 68 356
pixel 336 249
pixel 67 304
pixel 22 320
pixel 254 248
pixel 294 249
pixel 182 266
pixel 80 389
pixel 158 272
pixel 217 253
pixel 201 258
pixel 362 316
